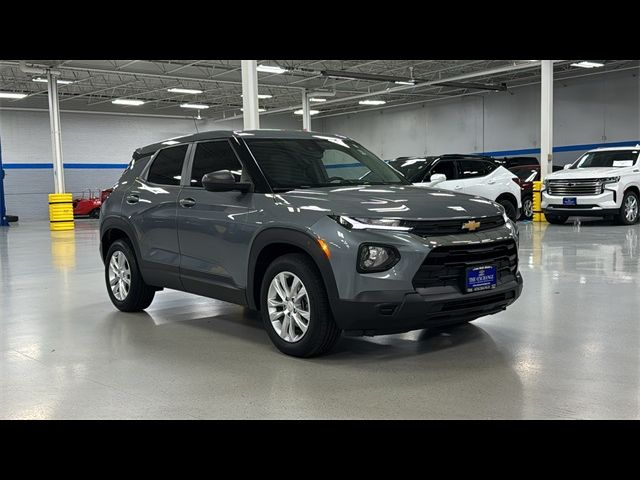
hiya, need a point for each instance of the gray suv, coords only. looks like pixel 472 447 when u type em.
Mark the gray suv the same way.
pixel 312 230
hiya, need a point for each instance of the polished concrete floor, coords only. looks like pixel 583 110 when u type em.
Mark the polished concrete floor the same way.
pixel 569 348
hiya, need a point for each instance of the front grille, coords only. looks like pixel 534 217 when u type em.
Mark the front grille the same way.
pixel 426 228
pixel 446 266
pixel 575 187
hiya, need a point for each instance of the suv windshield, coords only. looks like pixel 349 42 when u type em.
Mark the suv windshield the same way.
pixel 411 167
pixel 319 162
pixel 611 158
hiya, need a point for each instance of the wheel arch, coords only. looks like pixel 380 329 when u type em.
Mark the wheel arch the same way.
pixel 113 229
pixel 277 241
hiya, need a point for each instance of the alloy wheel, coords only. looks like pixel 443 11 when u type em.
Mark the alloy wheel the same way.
pixel 289 307
pixel 631 209
pixel 119 275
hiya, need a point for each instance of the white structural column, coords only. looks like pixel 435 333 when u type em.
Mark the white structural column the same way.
pixel 306 114
pixel 546 119
pixel 250 95
pixel 56 137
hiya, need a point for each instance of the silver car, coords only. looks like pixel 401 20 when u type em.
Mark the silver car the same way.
pixel 313 230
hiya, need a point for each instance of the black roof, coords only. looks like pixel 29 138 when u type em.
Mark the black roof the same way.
pixel 217 134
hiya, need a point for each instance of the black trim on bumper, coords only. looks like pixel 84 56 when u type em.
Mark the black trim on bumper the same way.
pixel 579 212
pixel 381 313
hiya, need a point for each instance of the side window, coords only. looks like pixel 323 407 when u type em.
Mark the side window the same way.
pixel 211 157
pixel 474 168
pixel 166 168
pixel 445 167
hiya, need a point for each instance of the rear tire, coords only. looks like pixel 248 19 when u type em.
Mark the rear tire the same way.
pixel 320 332
pixel 510 209
pixel 121 265
pixel 629 211
pixel 556 219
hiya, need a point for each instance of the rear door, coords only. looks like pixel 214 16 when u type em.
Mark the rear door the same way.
pixel 476 178
pixel 212 226
pixel 151 205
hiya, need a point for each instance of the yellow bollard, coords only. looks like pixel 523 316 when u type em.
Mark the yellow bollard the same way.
pixel 538 216
pixel 60 211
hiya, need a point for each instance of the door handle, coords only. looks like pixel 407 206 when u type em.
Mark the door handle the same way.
pixel 133 198
pixel 458 187
pixel 187 202
pixel 491 182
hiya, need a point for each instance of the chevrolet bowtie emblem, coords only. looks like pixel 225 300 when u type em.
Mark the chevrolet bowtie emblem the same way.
pixel 471 225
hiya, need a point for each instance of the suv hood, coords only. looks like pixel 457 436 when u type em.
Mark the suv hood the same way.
pixel 402 201
pixel 594 172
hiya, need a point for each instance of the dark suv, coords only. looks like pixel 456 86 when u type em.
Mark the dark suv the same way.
pixel 311 229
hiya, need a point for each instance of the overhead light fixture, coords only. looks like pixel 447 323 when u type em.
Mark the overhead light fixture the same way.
pixel 402 82
pixel 127 101
pixel 372 102
pixel 192 91
pixel 12 95
pixel 199 106
pixel 260 110
pixel 317 100
pixel 262 96
pixel 270 69
pixel 311 112
pixel 59 81
pixel 585 64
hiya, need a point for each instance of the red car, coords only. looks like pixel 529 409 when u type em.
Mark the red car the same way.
pixel 89 203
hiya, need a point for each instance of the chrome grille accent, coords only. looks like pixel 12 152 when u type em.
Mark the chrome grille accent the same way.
pixel 575 187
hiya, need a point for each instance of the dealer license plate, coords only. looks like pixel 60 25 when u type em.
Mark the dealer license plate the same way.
pixel 569 201
pixel 481 278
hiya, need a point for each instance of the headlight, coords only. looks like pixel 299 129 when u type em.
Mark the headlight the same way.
pixel 376 258
pixel 360 223
pixel 609 180
pixel 545 184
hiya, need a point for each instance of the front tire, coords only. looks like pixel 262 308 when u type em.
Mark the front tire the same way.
pixel 510 209
pixel 556 219
pixel 629 211
pixel 295 307
pixel 95 213
pixel 125 285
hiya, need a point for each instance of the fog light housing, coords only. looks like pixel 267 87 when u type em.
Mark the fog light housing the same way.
pixel 376 258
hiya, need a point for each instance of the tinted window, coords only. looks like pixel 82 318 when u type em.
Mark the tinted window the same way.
pixel 445 167
pixel 167 166
pixel 527 174
pixel 475 168
pixel 412 168
pixel 211 157
pixel 318 162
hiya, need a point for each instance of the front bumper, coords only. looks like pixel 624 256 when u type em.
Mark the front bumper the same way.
pixel 386 312
pixel 586 205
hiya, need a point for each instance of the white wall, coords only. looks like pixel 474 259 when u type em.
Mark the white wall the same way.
pixel 86 138
pixel 596 109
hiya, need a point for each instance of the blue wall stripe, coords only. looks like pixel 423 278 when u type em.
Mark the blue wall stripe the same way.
pixel 497 153
pixel 94 166
pixel 566 148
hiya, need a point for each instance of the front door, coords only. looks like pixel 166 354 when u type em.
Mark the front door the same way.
pixel 212 228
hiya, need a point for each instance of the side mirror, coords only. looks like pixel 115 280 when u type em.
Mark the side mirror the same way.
pixel 437 178
pixel 568 165
pixel 223 181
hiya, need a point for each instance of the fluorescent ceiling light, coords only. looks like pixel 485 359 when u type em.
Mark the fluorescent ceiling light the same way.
pixel 12 95
pixel 400 82
pixel 314 99
pixel 311 112
pixel 199 106
pixel 59 81
pixel 270 69
pixel 260 110
pixel 587 64
pixel 192 91
pixel 262 96
pixel 372 102
pixel 128 101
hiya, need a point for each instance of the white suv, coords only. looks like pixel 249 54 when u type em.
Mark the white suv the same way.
pixel 604 182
